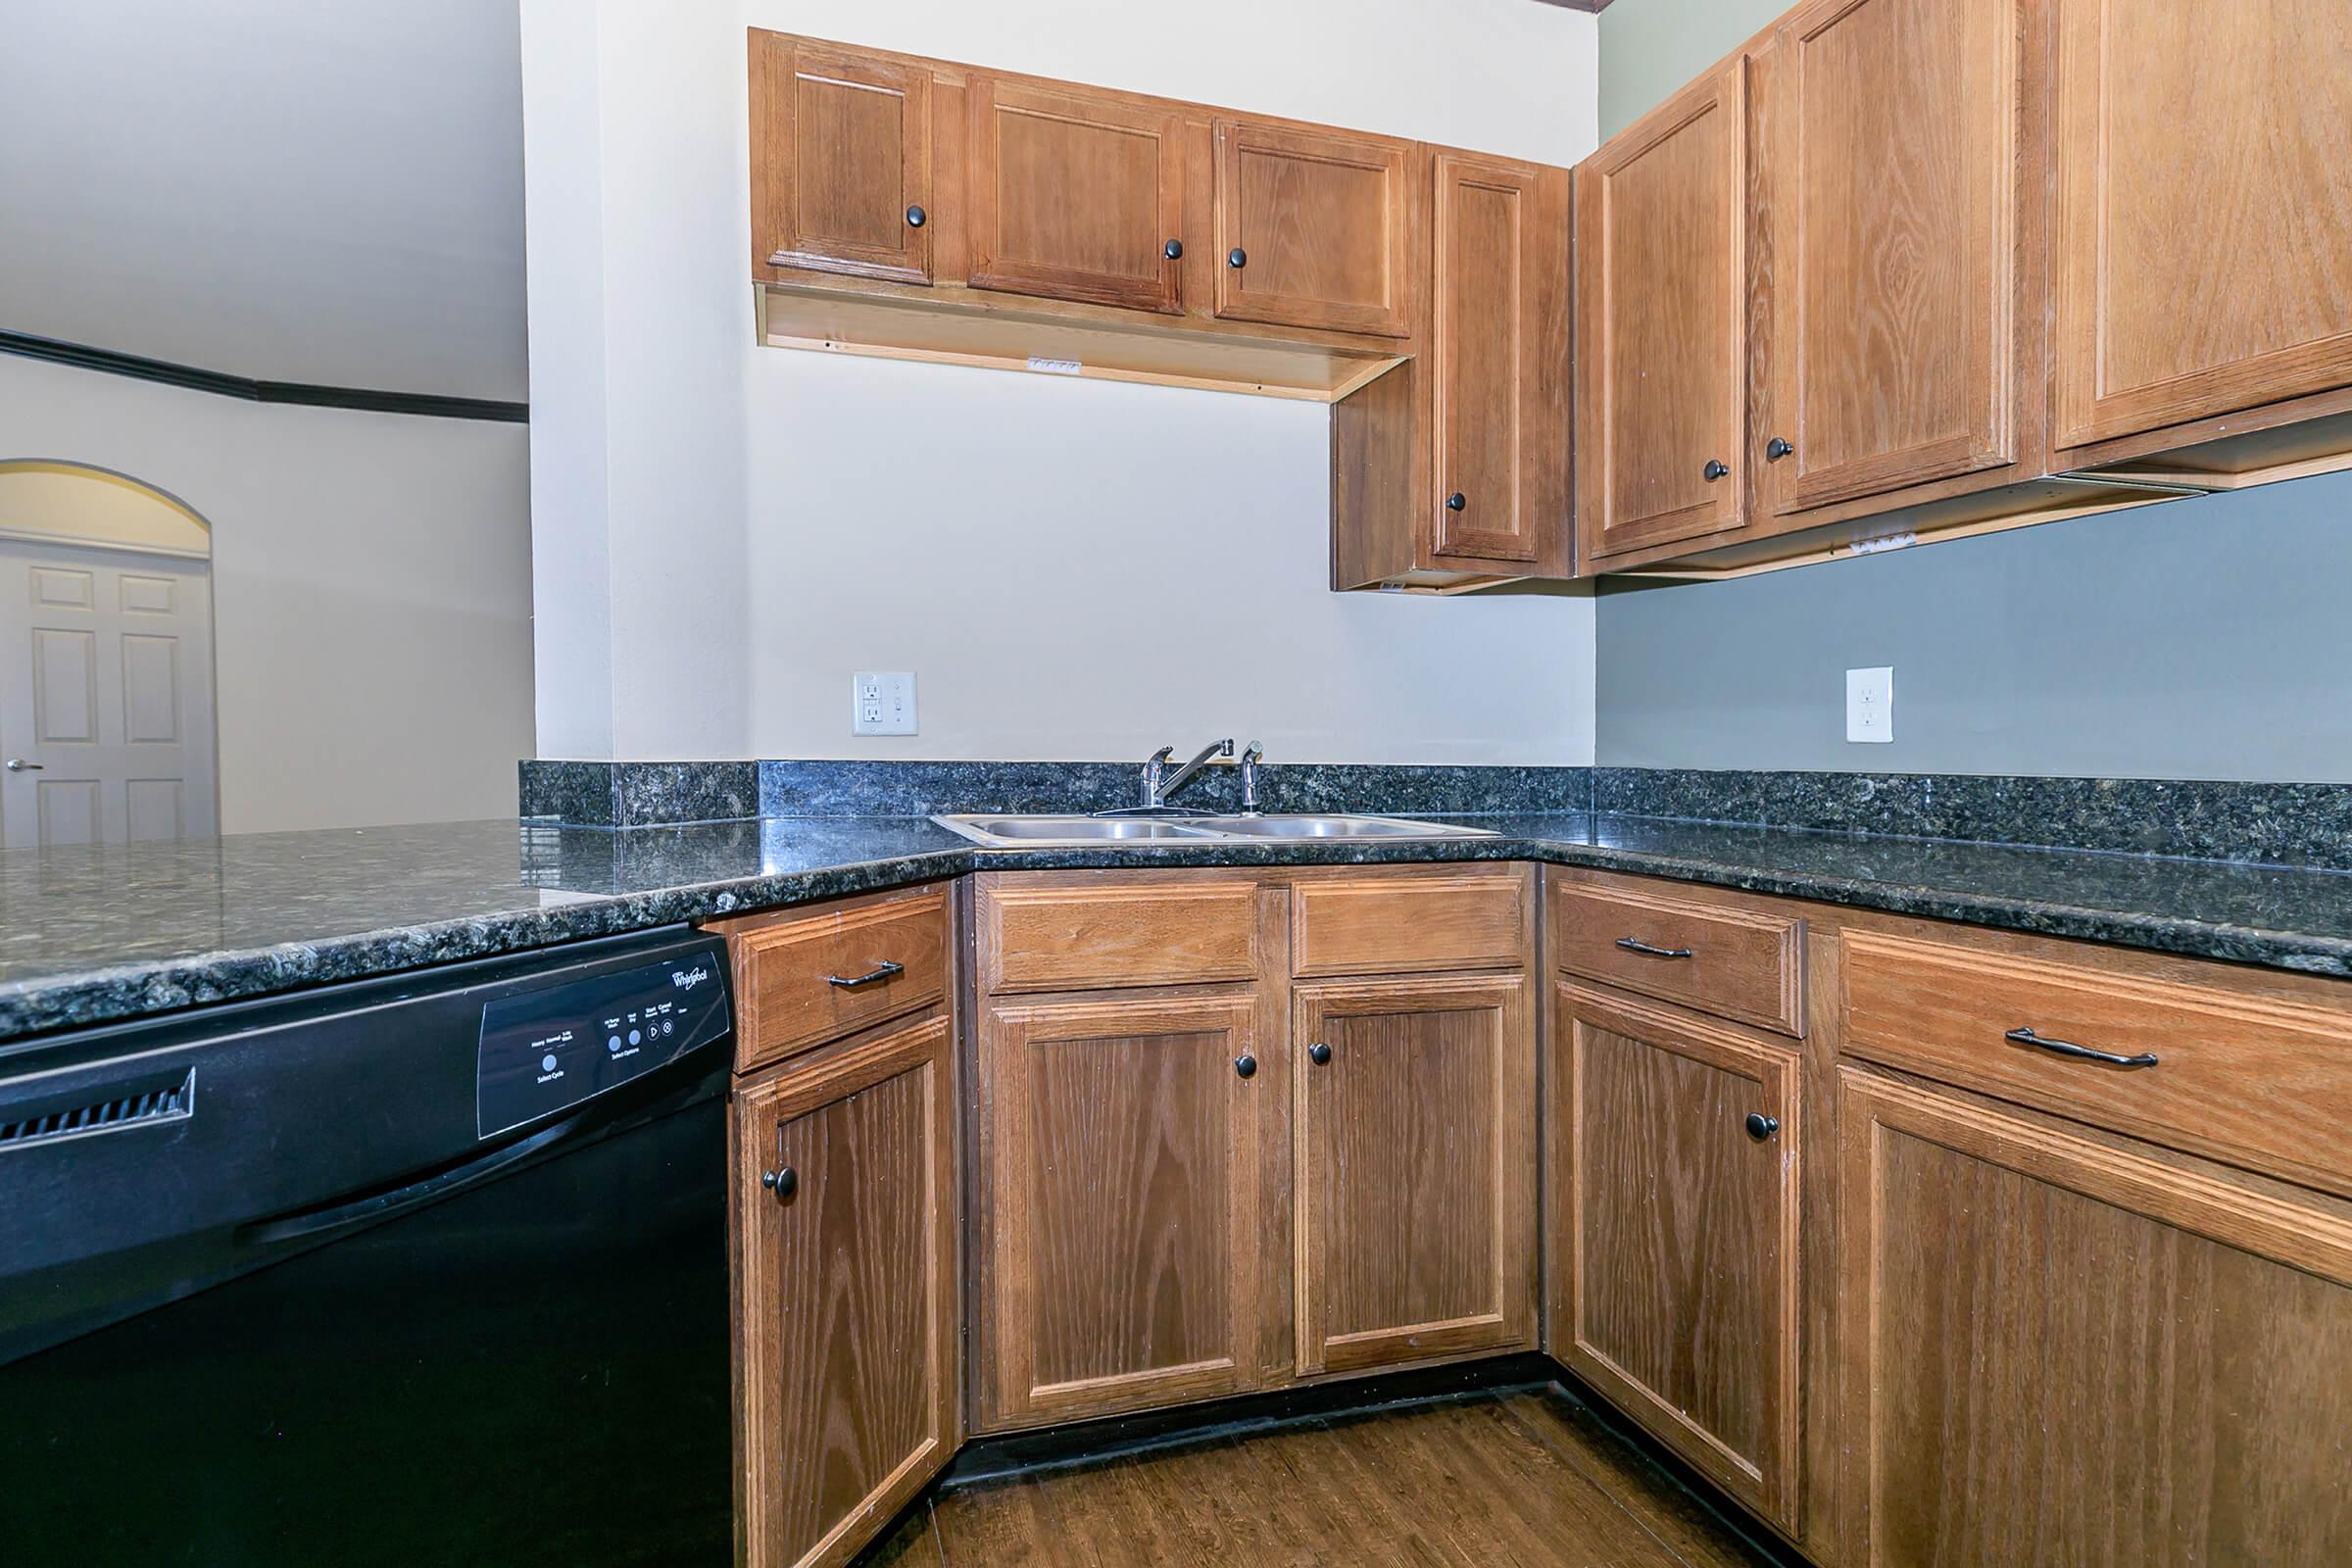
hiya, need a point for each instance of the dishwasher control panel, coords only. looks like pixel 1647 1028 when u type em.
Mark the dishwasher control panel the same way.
pixel 547 1050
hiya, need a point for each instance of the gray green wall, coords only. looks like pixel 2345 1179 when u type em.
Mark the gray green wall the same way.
pixel 2209 638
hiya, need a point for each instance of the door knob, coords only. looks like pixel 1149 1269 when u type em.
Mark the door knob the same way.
pixel 1246 1064
pixel 1715 470
pixel 1236 257
pixel 1456 502
pixel 783 1183
pixel 18 765
pixel 1173 250
pixel 916 218
pixel 1775 449
pixel 1761 1126
pixel 1318 1053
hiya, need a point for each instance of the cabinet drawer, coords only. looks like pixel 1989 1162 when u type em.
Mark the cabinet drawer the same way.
pixel 1409 924
pixel 804 979
pixel 1120 932
pixel 2256 1080
pixel 1735 963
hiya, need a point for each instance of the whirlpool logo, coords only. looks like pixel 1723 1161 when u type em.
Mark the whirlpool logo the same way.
pixel 688 979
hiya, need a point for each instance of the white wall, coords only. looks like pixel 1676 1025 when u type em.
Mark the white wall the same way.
pixel 370 589
pixel 1077 570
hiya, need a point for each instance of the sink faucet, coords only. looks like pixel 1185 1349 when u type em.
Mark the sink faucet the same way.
pixel 1249 762
pixel 1157 788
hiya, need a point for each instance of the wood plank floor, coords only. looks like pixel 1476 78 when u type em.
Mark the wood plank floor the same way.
pixel 1518 1480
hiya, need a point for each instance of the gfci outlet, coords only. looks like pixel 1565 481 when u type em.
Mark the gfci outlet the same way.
pixel 1870 704
pixel 882 703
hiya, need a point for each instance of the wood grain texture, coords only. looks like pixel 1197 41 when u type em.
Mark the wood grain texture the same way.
pixel 2204 209
pixel 1484 1482
pixel 840 150
pixel 1488 274
pixel 846 1294
pixel 784 1001
pixel 1416 1169
pixel 2242 1077
pixel 1681 1235
pixel 1120 1178
pixel 1104 930
pixel 1075 195
pixel 1326 222
pixel 1897 131
pixel 2060 1352
pixel 1661 323
pixel 1381 922
pixel 1379 478
pixel 1747 963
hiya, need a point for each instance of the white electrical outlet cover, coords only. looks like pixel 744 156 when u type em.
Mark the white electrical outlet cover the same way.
pixel 1870 705
pixel 882 703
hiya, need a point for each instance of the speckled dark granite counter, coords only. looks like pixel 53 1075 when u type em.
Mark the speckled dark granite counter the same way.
pixel 95 935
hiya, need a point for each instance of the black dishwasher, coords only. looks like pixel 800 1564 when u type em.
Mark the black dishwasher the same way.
pixel 420 1270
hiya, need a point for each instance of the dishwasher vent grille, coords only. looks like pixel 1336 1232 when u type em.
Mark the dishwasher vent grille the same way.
pixel 166 1101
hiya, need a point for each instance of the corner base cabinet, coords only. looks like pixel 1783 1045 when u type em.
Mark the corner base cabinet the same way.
pixel 847 1315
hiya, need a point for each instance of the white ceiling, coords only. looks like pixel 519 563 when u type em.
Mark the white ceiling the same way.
pixel 299 190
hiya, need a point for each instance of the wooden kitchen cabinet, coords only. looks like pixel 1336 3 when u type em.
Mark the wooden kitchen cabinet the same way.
pixel 2066 1351
pixel 1415 1126
pixel 847 1304
pixel 1674 1147
pixel 1076 195
pixel 2204 237
pixel 1898 149
pixel 1661 323
pixel 841 161
pixel 1119 1202
pixel 1315 230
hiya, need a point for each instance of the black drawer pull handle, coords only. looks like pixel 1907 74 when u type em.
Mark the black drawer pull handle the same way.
pixel 2067 1048
pixel 1636 944
pixel 1761 1126
pixel 880 971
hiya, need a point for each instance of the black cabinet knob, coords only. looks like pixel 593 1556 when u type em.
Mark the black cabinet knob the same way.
pixel 1173 250
pixel 1319 1053
pixel 1456 502
pixel 1236 257
pixel 1761 1126
pixel 916 218
pixel 1715 470
pixel 1775 449
pixel 1246 1065
pixel 783 1183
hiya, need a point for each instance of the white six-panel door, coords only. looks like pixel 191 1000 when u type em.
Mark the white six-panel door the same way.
pixel 106 695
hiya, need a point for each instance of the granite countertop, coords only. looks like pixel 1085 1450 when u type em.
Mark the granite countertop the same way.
pixel 102 934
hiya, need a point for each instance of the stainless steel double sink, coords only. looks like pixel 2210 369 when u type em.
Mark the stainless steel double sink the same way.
pixel 1016 831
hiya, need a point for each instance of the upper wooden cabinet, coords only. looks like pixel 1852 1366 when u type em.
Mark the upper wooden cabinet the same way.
pixel 841 161
pixel 2204 209
pixel 1314 229
pixel 1416 1129
pixel 1075 196
pixel 1661 323
pixel 1889 181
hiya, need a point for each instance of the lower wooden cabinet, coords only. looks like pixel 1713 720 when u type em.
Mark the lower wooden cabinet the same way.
pixel 1675 1191
pixel 2062 1350
pixel 1416 1138
pixel 847 1315
pixel 1119 1203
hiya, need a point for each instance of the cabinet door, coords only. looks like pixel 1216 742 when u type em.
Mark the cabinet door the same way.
pixel 846 1301
pixel 2204 243
pixel 1075 197
pixel 1661 323
pixel 1119 1203
pixel 1313 230
pixel 1893 284
pixel 1678 1142
pixel 841 162
pixel 2065 1352
pixel 1416 1169
pixel 1500 347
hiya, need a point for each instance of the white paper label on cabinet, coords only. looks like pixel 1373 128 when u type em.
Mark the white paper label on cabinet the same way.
pixel 1056 366
pixel 1884 541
